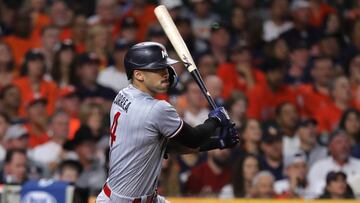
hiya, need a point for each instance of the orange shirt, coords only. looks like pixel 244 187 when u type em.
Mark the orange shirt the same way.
pixel 36 139
pixel 19 47
pixel 355 90
pixel 312 100
pixel 74 126
pixel 144 20
pixel 229 75
pixel 317 16
pixel 48 89
pixel 263 101
pixel 328 118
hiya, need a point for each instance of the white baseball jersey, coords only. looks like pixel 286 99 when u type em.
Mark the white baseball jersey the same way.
pixel 140 128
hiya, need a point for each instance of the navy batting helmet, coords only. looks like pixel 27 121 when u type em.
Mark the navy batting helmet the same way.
pixel 149 55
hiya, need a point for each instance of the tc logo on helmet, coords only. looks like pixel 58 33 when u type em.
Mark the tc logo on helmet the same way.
pixel 163 54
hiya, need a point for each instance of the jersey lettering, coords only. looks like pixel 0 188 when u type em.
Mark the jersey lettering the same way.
pixel 113 128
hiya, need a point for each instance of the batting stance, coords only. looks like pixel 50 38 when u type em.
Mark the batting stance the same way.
pixel 143 128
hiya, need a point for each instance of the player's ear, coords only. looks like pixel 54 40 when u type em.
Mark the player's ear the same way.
pixel 138 75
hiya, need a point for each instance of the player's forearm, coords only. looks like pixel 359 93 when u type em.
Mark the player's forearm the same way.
pixel 194 137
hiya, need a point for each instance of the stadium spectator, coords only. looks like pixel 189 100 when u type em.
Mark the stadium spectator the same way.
pixel 301 31
pixel 218 42
pixel 264 98
pixel 10 102
pixel 20 40
pixel 350 123
pixel 215 87
pixel 319 10
pixel 37 121
pixel 207 64
pixel 8 12
pixel 98 41
pixel 129 29
pixel 48 41
pixel 16 137
pixel 239 24
pixel 33 82
pixel 202 18
pixel 61 15
pixel 278 22
pixel 105 14
pixel 69 171
pixel 4 125
pixel 271 159
pixel 79 30
pixel 49 153
pixel 295 184
pixel 278 49
pixel 317 94
pixel 244 171
pixel 239 74
pixel 93 174
pixel 87 87
pixel 236 106
pixel 114 76
pixel 306 143
pixel 210 177
pixel 338 160
pixel 69 102
pixel 299 57
pixel 354 77
pixel 329 116
pixel 250 137
pixel 337 187
pixel 14 171
pixel 63 67
pixel 263 186
pixel 7 65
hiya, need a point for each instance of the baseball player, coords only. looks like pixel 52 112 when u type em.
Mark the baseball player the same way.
pixel 143 128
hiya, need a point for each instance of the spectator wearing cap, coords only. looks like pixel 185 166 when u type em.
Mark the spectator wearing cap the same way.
pixel 240 74
pixel 239 23
pixel 263 186
pixel 271 145
pixel 219 41
pixel 301 31
pixel 20 40
pixel 64 64
pixel 287 117
pixel 143 13
pixel 7 65
pixel 317 94
pixel 93 174
pixel 337 187
pixel 299 59
pixel 16 137
pixel 14 171
pixel 277 24
pixel 329 46
pixel 69 102
pixel 306 142
pixel 175 7
pixel 98 41
pixel 127 29
pixel 295 183
pixel 4 125
pixel 32 82
pixel 37 120
pixel 48 154
pixel 157 34
pixel 350 123
pixel 339 159
pixel 276 48
pixel 10 103
pixel 329 116
pixel 87 86
pixel 202 18
pixel 264 98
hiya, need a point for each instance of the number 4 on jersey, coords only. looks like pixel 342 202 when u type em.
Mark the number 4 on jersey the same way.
pixel 113 128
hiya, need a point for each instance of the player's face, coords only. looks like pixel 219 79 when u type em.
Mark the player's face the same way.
pixel 156 81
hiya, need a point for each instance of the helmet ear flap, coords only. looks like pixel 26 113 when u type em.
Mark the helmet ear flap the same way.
pixel 173 77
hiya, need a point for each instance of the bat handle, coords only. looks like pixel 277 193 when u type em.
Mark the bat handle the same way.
pixel 197 77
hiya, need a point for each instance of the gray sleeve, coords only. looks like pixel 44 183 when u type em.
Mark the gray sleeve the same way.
pixel 166 119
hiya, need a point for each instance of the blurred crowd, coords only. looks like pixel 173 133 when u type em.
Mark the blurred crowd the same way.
pixel 287 71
